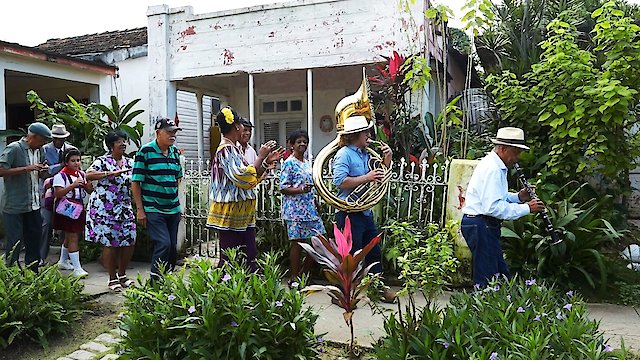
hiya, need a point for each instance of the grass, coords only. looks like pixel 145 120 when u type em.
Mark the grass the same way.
pixel 101 318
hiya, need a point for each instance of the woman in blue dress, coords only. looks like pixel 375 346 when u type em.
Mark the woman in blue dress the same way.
pixel 298 206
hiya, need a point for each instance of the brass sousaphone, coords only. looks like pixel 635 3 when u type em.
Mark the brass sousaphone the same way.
pixel 365 196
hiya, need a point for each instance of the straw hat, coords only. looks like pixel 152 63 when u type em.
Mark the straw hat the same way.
pixel 59 131
pixel 510 136
pixel 355 124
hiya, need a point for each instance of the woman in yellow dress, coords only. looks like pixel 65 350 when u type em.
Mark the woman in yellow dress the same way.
pixel 233 188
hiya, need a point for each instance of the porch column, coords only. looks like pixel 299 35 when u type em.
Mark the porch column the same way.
pixel 3 107
pixel 252 109
pixel 200 127
pixel 310 112
pixel 162 91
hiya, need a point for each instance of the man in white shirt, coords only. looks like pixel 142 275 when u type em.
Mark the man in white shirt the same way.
pixel 488 202
pixel 248 151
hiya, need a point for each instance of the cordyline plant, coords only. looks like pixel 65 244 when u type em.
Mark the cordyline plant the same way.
pixel 344 271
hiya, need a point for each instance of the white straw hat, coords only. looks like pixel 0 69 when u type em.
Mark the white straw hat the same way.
pixel 355 124
pixel 510 136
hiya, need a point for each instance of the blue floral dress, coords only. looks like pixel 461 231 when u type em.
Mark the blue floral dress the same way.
pixel 299 210
pixel 110 218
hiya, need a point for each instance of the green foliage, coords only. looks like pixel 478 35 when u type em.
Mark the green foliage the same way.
pixel 218 313
pixel 423 258
pixel 577 110
pixel 85 122
pixel 576 262
pixel 629 294
pixel 34 305
pixel 513 319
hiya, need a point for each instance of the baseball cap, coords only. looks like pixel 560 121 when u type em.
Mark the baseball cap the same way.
pixel 166 124
pixel 246 122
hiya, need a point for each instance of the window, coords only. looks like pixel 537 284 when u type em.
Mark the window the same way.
pixel 296 105
pixel 271 131
pixel 268 107
pixel 281 106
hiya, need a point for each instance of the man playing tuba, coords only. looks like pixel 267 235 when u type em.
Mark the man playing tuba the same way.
pixel 351 169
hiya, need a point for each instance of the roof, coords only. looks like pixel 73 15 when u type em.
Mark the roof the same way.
pixel 38 54
pixel 97 43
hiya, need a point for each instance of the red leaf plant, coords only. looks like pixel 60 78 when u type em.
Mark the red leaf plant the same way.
pixel 344 271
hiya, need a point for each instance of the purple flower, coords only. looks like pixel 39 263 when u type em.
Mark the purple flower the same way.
pixel 559 316
pixel 192 309
pixel 171 297
pixel 121 315
pixel 570 293
pixel 607 348
pixel 508 297
pixel 226 277
pixel 192 319
pixel 445 344
pixel 567 307
pixel 234 324
pixel 496 288
pixel 209 271
pixel 497 274
pixel 278 303
pixel 121 352
pixel 537 318
pixel 294 284
pixel 493 356
pixel 530 282
pixel 320 340
pixel 196 257
pixel 520 309
pixel 476 287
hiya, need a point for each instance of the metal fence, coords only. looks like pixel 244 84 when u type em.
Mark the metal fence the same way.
pixel 416 193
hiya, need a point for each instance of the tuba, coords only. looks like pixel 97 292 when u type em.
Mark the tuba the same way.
pixel 364 196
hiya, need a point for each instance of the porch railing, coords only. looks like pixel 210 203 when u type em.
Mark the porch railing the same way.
pixel 417 192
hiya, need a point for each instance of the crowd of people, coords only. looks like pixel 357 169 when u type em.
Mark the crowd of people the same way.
pixel 46 191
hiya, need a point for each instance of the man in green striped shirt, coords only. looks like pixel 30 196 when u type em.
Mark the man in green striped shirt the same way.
pixel 156 175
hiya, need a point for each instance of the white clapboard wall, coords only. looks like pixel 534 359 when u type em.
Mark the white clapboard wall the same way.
pixel 187 113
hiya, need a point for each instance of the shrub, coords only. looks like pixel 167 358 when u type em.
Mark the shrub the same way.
pixel 33 305
pixel 578 260
pixel 218 313
pixel 507 320
pixel 423 257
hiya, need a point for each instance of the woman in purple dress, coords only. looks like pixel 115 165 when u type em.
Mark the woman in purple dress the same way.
pixel 111 220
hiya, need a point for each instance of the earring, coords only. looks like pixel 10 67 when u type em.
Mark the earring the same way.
pixel 237 128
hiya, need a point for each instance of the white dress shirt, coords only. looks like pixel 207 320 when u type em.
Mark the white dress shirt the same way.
pixel 488 192
pixel 34 159
pixel 248 153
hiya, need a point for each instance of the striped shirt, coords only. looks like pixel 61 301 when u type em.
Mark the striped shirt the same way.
pixel 158 177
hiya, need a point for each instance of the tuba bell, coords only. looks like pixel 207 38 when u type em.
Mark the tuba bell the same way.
pixel 364 196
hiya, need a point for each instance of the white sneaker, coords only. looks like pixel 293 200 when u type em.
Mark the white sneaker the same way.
pixel 79 273
pixel 65 265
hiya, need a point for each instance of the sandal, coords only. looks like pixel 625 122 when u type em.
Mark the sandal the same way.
pixel 124 281
pixel 114 285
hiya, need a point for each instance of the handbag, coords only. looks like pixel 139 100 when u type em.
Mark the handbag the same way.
pixel 70 208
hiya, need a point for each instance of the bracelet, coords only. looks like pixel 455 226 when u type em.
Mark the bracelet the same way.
pixel 264 164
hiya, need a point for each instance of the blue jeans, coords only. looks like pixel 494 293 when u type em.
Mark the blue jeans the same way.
pixel 363 230
pixel 163 232
pixel 23 229
pixel 482 235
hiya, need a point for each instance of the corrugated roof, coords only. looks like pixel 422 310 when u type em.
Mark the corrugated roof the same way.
pixel 96 43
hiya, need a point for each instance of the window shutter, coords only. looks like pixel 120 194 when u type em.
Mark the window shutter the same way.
pixel 291 126
pixel 271 131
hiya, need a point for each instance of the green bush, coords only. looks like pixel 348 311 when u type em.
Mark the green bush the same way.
pixel 211 313
pixel 33 305
pixel 576 262
pixel 422 257
pixel 511 319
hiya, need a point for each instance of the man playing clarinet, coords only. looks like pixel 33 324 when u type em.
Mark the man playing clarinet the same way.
pixel 488 202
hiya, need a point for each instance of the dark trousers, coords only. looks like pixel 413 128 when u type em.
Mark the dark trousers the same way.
pixel 163 232
pixel 482 235
pixel 23 230
pixel 363 230
pixel 244 240
pixel 47 216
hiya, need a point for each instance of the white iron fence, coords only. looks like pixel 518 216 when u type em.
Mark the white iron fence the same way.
pixel 416 193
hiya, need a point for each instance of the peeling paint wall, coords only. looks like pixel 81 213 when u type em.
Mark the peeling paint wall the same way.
pixel 295 35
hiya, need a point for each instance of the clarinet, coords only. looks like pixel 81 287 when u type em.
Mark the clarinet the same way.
pixel 555 239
